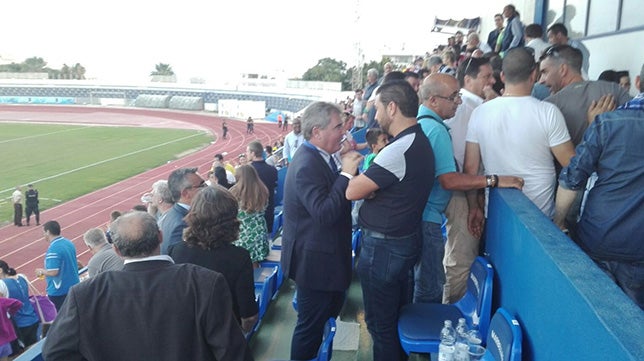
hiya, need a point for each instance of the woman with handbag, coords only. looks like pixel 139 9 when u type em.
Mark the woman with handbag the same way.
pixel 26 319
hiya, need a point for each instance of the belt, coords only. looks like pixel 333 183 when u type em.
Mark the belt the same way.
pixel 374 234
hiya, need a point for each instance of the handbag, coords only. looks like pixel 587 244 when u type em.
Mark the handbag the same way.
pixel 45 309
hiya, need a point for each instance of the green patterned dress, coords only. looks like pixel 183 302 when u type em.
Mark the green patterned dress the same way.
pixel 253 234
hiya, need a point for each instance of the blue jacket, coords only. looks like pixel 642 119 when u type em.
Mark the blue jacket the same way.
pixel 610 227
pixel 316 238
pixel 172 227
pixel 513 34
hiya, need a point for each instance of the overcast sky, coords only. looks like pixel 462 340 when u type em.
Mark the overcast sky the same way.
pixel 124 39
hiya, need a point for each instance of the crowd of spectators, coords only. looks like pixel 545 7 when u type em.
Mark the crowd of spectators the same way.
pixel 518 105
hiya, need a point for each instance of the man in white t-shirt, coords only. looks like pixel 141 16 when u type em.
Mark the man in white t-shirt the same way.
pixel 293 140
pixel 517 134
pixel 358 109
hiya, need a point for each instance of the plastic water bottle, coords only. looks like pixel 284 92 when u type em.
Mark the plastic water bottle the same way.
pixel 461 331
pixel 474 337
pixel 448 339
pixel 461 352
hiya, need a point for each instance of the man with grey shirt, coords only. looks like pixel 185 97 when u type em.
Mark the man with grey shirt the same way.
pixel 104 258
pixel 561 72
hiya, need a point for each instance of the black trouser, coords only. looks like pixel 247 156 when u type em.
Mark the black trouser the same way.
pixel 57 301
pixel 28 334
pixel 32 209
pixel 17 214
pixel 314 308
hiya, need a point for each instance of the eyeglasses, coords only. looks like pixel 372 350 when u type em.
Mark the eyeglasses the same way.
pixel 451 98
pixel 200 185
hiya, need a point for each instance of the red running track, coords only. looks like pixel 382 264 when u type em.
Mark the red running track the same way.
pixel 24 247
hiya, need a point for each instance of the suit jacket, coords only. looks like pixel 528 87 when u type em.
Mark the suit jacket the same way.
pixel 172 227
pixel 268 175
pixel 152 310
pixel 316 238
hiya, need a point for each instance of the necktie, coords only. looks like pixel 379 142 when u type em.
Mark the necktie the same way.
pixel 334 167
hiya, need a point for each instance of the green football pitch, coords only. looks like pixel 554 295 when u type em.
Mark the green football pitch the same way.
pixel 64 162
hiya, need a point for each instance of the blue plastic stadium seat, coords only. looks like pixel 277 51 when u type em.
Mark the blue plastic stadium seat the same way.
pixel 419 324
pixel 326 348
pixel 265 278
pixel 504 338
pixel 356 238
pixel 278 221
pixel 33 353
pixel 273 260
pixel 279 190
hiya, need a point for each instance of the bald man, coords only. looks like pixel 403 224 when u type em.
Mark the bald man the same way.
pixel 189 307
pixel 440 95
pixel 517 134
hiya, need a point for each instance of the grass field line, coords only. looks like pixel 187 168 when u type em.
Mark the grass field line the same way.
pixel 43 134
pixel 106 161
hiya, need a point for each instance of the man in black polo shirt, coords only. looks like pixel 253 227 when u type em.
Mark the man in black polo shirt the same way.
pixel 395 189
pixel 268 175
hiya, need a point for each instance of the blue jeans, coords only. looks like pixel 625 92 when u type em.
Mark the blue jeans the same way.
pixel 429 274
pixel 314 308
pixel 629 276
pixel 385 271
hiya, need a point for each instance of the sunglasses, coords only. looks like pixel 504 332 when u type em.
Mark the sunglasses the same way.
pixel 200 185
pixel 552 51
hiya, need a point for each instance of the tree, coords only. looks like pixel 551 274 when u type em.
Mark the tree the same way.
pixel 65 72
pixel 34 65
pixel 163 69
pixel 328 69
pixel 78 72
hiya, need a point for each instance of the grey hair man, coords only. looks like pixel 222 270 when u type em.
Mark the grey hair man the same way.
pixel 434 63
pixel 474 42
pixel 104 257
pixel 184 183
pixel 293 140
pixel 370 95
pixel 160 199
pixel 192 304
pixel 316 238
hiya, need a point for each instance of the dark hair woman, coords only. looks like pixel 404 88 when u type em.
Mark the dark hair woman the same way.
pixel 208 242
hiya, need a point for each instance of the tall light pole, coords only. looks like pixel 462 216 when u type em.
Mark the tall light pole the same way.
pixel 356 75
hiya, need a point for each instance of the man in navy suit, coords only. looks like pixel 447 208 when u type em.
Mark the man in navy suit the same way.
pixel 184 183
pixel 151 310
pixel 316 239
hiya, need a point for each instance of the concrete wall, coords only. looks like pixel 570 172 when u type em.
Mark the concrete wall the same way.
pixel 568 308
pixel 617 52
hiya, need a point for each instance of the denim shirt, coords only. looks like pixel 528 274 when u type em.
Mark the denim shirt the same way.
pixel 613 146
